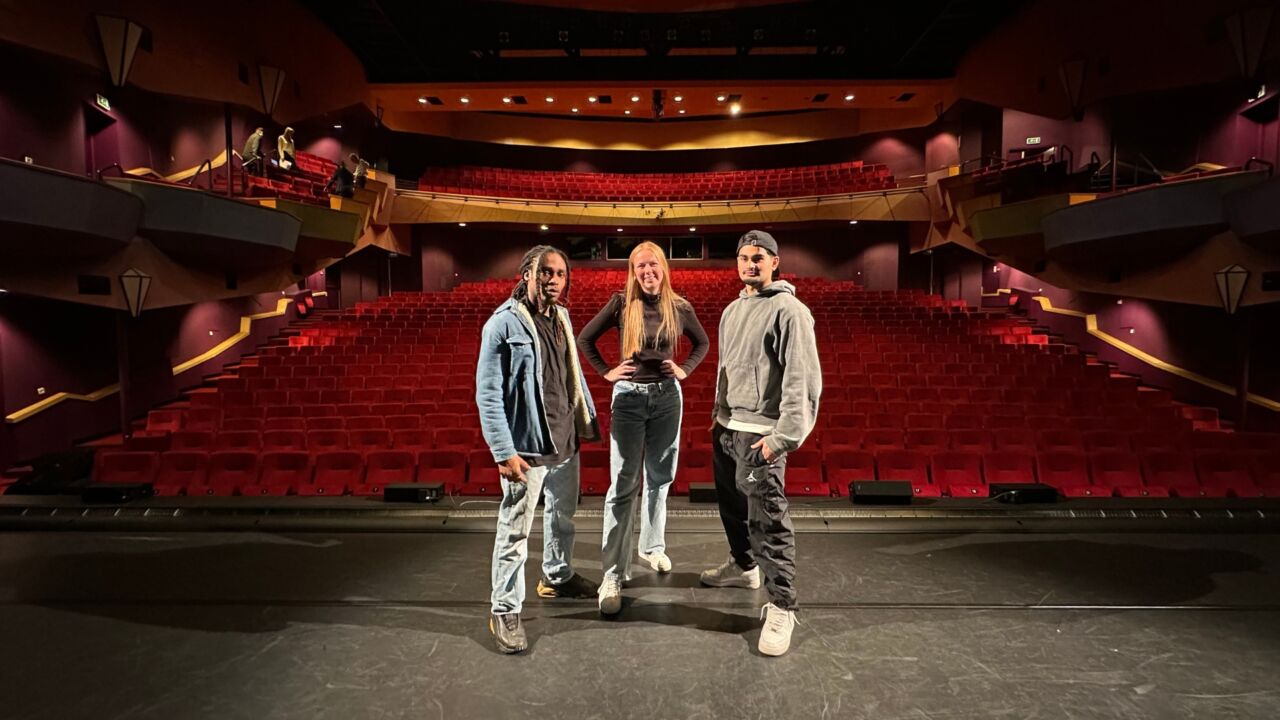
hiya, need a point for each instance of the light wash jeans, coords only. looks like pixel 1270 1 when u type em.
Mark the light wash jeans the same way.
pixel 645 431
pixel 515 520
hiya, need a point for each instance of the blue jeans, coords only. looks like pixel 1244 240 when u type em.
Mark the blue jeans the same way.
pixel 515 520
pixel 645 430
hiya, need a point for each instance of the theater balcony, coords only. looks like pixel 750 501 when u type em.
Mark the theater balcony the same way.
pixel 48 214
pixel 200 227
pixel 1253 217
pixel 1148 226
pixel 1013 232
pixel 325 233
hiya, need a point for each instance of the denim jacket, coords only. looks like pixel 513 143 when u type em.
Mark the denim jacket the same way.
pixel 509 394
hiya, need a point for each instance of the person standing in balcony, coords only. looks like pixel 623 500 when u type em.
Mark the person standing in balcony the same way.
pixel 343 180
pixel 285 150
pixel 535 409
pixel 251 158
pixel 647 408
pixel 362 172
pixel 767 391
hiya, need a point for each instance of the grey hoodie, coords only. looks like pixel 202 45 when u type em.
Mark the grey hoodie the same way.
pixel 769 379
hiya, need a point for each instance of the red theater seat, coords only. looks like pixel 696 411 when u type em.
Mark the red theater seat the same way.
pixel 191 440
pixel 281 472
pixel 928 441
pixel 336 471
pixel 180 469
pixel 694 467
pixel 125 467
pixel 845 466
pixel 958 473
pixel 1228 471
pixel 1008 466
pixel 593 471
pixel 385 467
pixel 228 471
pixel 238 440
pixel 482 475
pixel 907 465
pixel 284 440
pixel 804 474
pixel 1173 471
pixel 1118 472
pixel 448 467
pixel 1066 470
pixel 973 440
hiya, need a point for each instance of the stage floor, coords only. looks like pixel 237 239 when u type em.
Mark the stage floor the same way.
pixel 351 625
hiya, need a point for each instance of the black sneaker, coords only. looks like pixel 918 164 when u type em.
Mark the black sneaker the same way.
pixel 575 587
pixel 508 632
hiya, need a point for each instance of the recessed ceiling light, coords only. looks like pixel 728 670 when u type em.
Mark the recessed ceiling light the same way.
pixel 619 229
pixel 734 109
pixel 422 99
pixel 592 98
pixel 462 224
pixel 573 109
pixel 626 112
pixel 721 97
pixel 635 98
pixel 464 99
pixel 853 222
pixel 693 229
pixel 506 100
pixel 337 127
pixel 550 99
pixel 678 98
pixel 543 228
pixel 848 97
pixel 681 111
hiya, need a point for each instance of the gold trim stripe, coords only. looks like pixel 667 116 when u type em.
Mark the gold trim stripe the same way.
pixel 246 322
pixel 1091 325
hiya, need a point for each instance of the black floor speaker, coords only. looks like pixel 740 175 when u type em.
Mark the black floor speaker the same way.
pixel 881 492
pixel 413 492
pixel 116 492
pixel 1019 493
pixel 702 492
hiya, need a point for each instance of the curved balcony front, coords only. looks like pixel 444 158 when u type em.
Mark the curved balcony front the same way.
pixel 48 214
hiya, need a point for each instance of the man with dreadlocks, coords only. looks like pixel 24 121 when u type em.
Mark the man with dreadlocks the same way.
pixel 534 410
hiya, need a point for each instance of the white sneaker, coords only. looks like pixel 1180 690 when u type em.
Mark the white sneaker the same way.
pixel 610 600
pixel 775 638
pixel 730 575
pixel 658 561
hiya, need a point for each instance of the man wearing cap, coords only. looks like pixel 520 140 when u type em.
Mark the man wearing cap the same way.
pixel 766 404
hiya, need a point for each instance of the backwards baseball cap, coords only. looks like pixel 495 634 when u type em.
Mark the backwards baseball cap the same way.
pixel 760 239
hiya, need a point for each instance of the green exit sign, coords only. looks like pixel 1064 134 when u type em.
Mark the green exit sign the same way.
pixel 104 103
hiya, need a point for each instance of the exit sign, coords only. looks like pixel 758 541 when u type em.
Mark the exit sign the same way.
pixel 1033 140
pixel 104 103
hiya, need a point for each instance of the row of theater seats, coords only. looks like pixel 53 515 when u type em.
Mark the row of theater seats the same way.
pixel 304 183
pixel 902 370
pixel 332 470
pixel 653 187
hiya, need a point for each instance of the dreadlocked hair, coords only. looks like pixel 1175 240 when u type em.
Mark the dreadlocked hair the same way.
pixel 531 263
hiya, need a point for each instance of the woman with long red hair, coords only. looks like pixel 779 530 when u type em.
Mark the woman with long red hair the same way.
pixel 647 408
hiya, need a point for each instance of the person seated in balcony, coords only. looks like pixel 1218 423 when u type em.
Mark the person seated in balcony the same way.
pixel 343 182
pixel 362 172
pixel 285 150
pixel 251 157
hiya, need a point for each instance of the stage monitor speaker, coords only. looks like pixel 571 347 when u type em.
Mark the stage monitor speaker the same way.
pixel 112 493
pixel 1019 493
pixel 413 492
pixel 880 492
pixel 702 492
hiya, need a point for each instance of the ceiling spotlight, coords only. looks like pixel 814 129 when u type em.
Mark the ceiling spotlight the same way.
pixel 462 224
pixel 721 97
pixel 337 127
pixel 678 98
pixel 734 109
pixel 681 111
pixel 635 98
pixel 550 99
pixel 853 222
pixel 626 112
pixel 693 229
pixel 464 99
pixel 506 100
pixel 543 228
pixel 848 97
pixel 573 109
pixel 592 98
pixel 619 229
pixel 422 99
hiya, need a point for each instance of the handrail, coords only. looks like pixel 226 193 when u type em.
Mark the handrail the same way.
pixel 980 158
pixel 115 165
pixel 1071 156
pixel 531 202
pixel 1271 168
pixel 207 164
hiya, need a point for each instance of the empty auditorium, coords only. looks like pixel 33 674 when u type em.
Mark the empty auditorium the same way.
pixel 675 359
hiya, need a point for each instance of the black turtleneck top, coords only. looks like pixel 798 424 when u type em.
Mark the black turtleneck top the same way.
pixel 653 350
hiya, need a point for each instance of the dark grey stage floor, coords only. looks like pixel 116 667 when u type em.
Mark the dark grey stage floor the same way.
pixel 240 625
